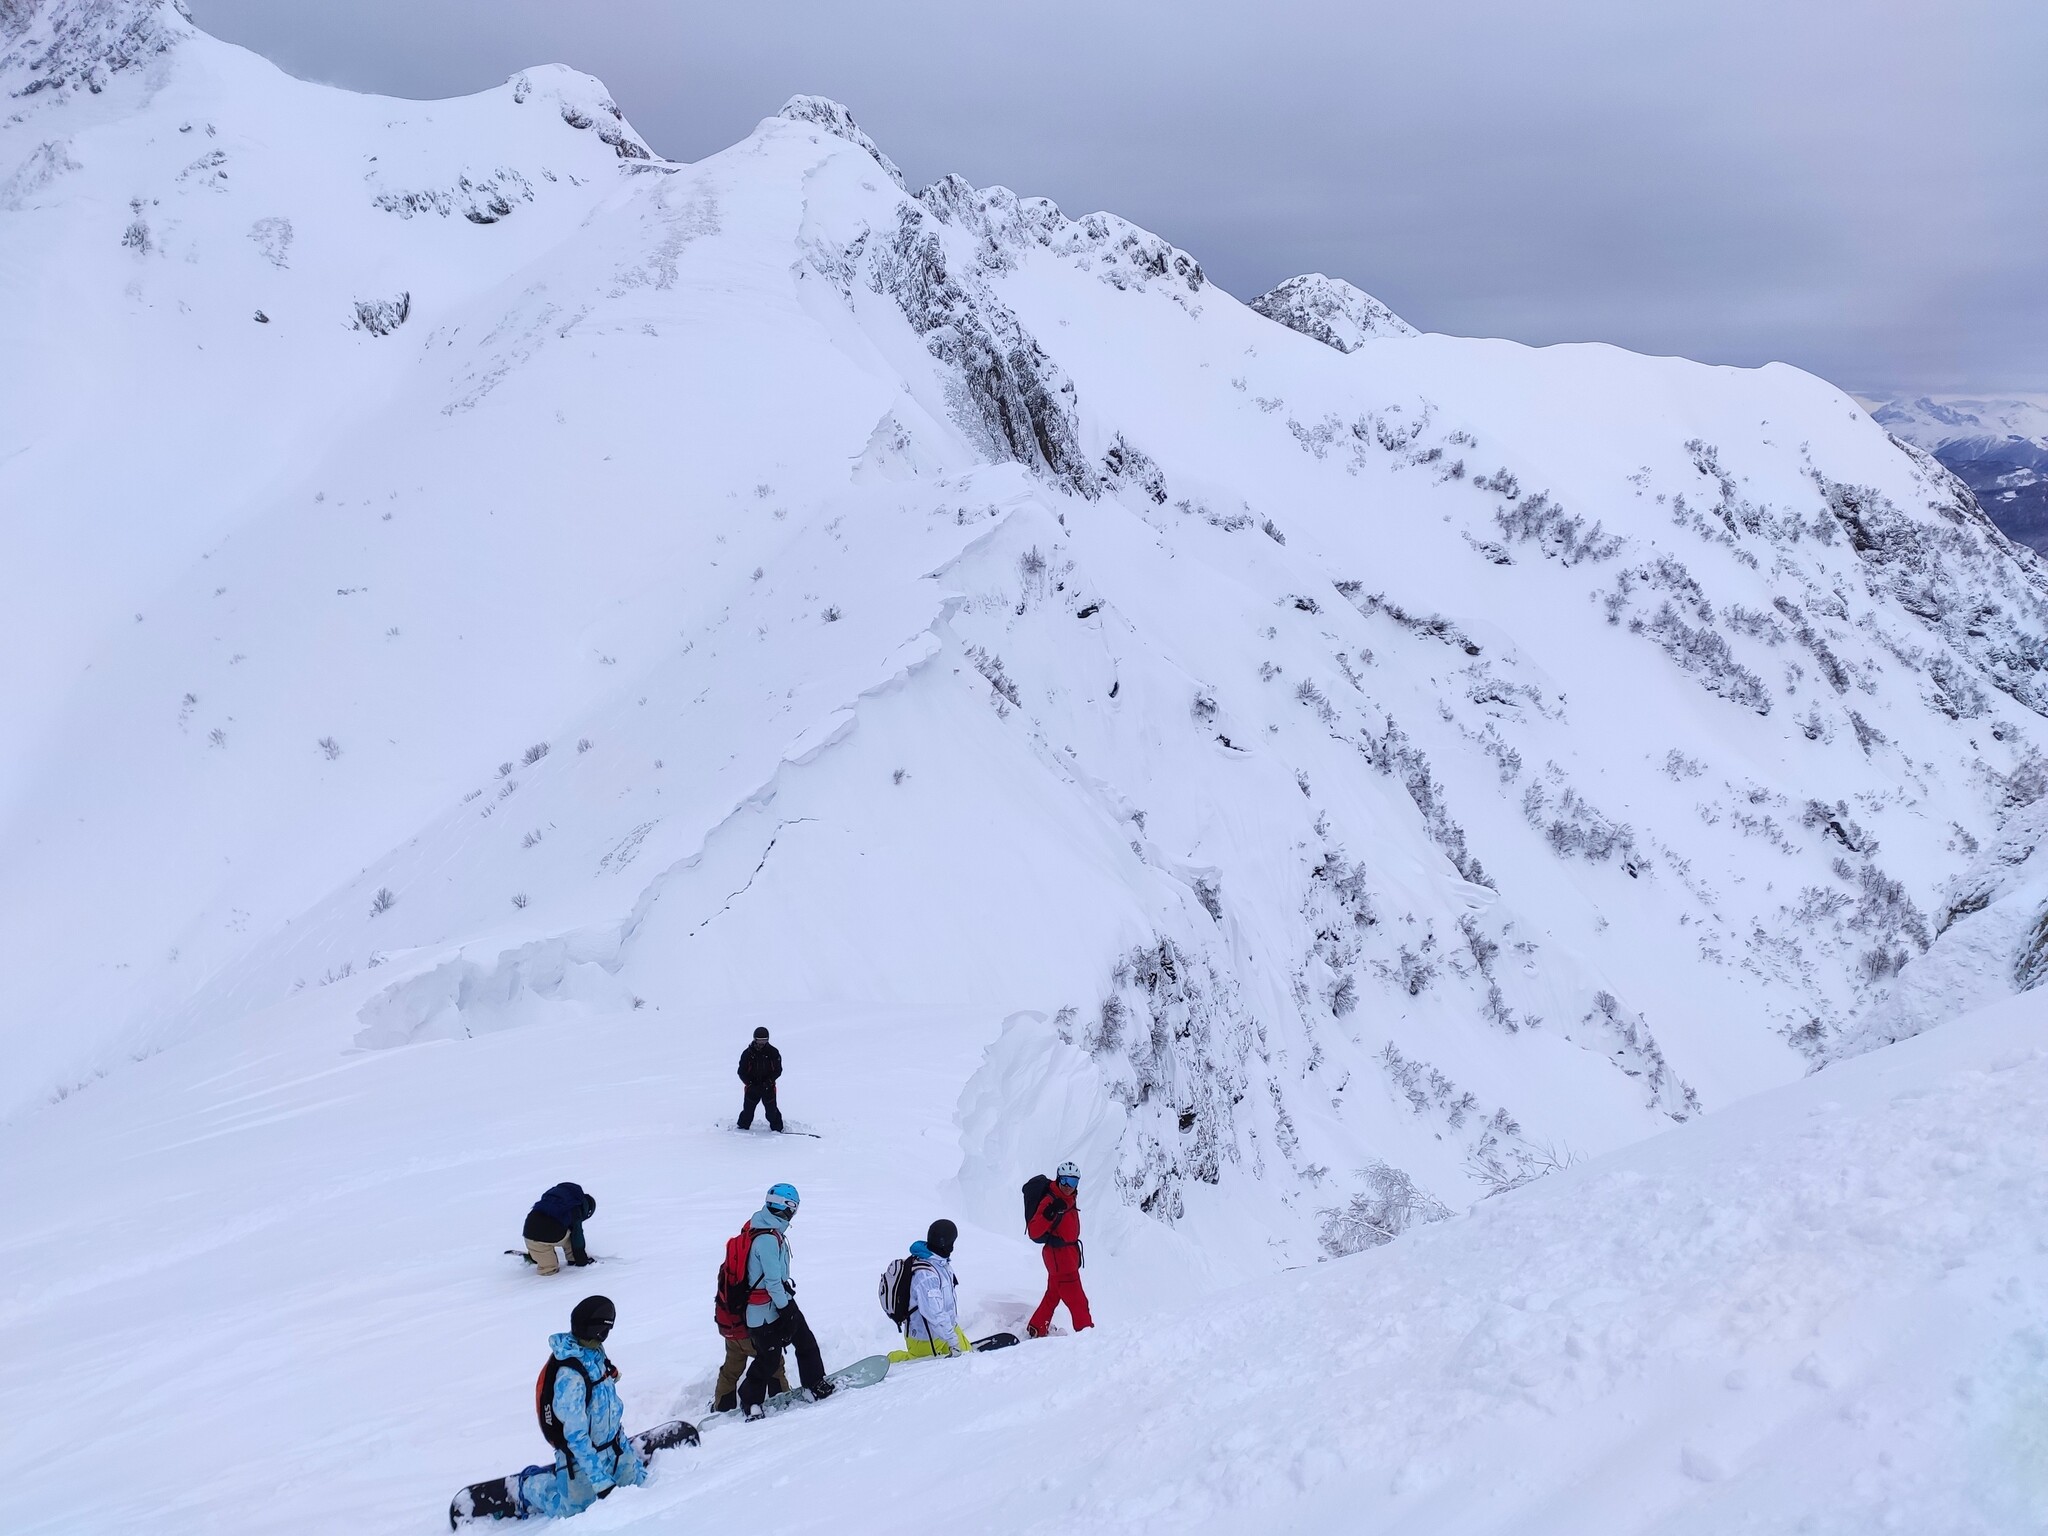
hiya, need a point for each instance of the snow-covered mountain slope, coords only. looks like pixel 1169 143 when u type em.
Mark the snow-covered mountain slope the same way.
pixel 1999 448
pixel 479 574
pixel 258 1288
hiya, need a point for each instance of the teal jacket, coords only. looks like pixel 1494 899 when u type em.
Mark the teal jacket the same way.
pixel 768 1283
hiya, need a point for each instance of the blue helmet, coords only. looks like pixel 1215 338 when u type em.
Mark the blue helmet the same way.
pixel 783 1199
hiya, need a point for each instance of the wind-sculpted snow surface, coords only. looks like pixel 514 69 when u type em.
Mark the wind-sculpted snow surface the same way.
pixel 551 583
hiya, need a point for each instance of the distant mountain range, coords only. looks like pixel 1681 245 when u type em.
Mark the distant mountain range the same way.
pixel 1998 448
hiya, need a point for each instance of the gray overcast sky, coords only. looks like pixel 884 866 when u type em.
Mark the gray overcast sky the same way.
pixel 1856 186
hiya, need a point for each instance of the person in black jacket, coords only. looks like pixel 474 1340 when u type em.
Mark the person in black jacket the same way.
pixel 556 1221
pixel 760 1066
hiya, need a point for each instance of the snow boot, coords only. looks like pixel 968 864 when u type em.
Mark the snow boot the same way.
pixel 820 1392
pixel 755 1411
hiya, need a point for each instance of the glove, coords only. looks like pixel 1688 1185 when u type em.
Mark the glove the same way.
pixel 579 1263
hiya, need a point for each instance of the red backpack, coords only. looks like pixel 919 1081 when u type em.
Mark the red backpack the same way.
pixel 729 1300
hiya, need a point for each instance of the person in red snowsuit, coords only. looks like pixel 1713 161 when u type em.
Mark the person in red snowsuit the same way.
pixel 1056 1224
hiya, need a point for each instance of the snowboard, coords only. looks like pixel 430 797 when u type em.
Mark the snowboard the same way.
pixel 498 1499
pixel 532 1263
pixel 994 1341
pixel 862 1373
pixel 787 1130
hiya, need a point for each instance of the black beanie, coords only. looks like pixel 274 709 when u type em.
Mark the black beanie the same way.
pixel 593 1318
pixel 761 1033
pixel 940 1237
pixel 589 1206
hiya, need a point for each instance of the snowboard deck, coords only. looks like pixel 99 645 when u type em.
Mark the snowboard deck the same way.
pixel 862 1373
pixel 528 1259
pixel 994 1341
pixel 498 1498
pixel 761 1128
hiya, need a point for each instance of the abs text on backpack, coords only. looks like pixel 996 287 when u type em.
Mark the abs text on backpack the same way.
pixel 1036 1188
pixel 894 1290
pixel 544 1397
pixel 729 1301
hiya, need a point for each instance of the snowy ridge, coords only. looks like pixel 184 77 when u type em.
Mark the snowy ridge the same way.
pixel 1412 763
pixel 1330 310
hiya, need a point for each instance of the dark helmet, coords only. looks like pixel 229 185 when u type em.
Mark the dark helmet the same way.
pixel 941 1237
pixel 592 1320
pixel 761 1033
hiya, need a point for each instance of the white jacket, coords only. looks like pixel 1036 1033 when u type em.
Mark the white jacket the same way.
pixel 934 1308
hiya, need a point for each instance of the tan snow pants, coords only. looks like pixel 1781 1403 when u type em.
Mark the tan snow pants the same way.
pixel 543 1254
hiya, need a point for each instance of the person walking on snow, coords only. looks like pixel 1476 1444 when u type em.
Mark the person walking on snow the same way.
pixel 582 1417
pixel 556 1221
pixel 760 1066
pixel 934 1324
pixel 774 1321
pixel 1056 1224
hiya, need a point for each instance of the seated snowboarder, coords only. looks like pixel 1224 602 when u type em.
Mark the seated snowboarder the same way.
pixel 1056 1224
pixel 583 1420
pixel 556 1221
pixel 760 1066
pixel 933 1324
pixel 774 1322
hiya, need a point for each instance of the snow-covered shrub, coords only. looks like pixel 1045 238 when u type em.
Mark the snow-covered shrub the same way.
pixel 383 901
pixel 1392 753
pixel 380 317
pixel 1705 654
pixel 1563 538
pixel 1387 1206
pixel 1574 827
pixel 1640 1055
pixel 1124 465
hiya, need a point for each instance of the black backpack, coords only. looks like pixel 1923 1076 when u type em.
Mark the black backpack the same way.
pixel 1036 1188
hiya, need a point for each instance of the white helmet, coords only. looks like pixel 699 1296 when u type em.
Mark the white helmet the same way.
pixel 1069 1173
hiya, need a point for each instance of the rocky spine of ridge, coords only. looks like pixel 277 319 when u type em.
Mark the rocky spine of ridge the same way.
pixel 51 45
pixel 1330 310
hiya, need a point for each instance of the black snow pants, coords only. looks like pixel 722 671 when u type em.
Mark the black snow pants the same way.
pixel 763 1095
pixel 769 1341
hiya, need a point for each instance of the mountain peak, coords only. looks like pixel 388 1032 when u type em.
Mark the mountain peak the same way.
pixel 837 121
pixel 1331 311
pixel 49 44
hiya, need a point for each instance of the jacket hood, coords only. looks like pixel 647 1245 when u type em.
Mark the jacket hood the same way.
pixel 566 1346
pixel 767 1218
pixel 921 1250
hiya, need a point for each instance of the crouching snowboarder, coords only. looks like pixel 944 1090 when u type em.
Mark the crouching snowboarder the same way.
pixel 556 1221
pixel 774 1321
pixel 920 1294
pixel 580 1414
pixel 1054 1221
pixel 760 1067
